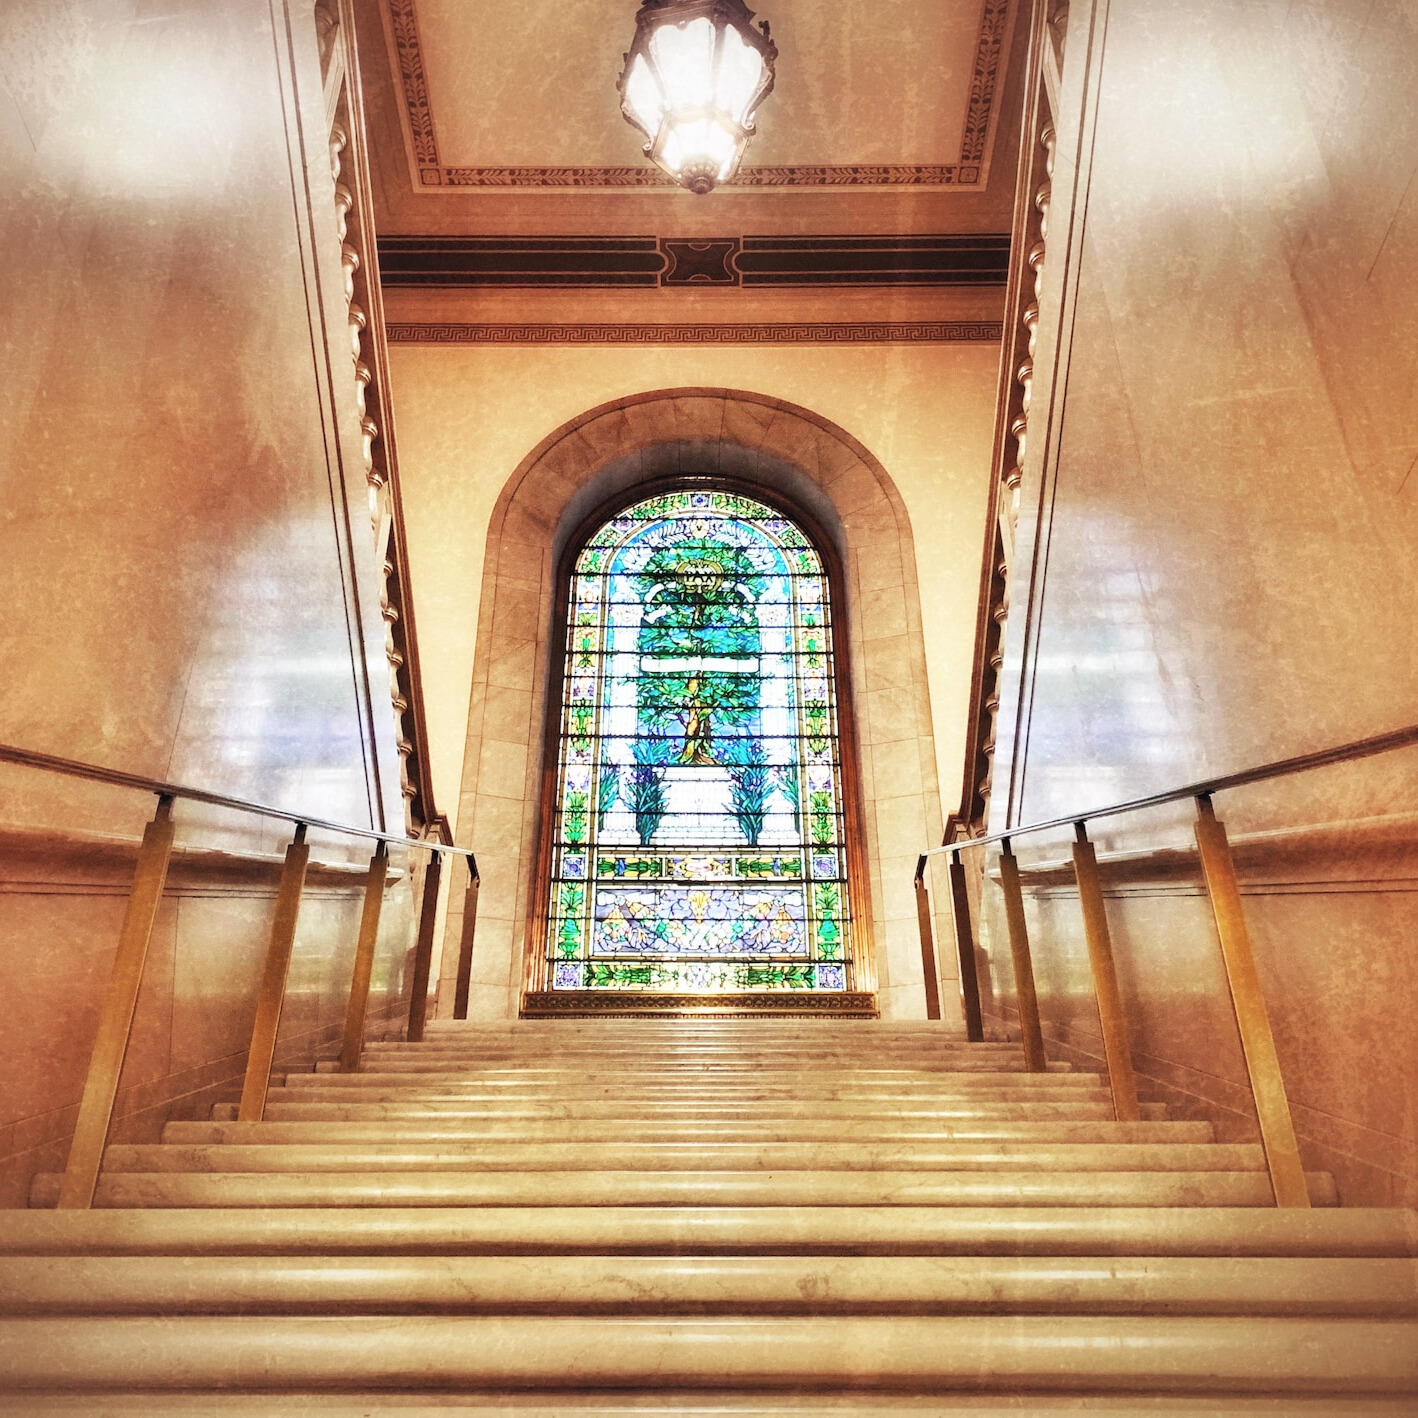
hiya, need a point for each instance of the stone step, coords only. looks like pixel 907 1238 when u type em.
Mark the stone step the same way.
pixel 790 1068
pixel 686 1157
pixel 1014 1087
pixel 407 1088
pixel 643 1188
pixel 631 1102
pixel 743 1045
pixel 534 1129
pixel 766 1027
pixel 605 1037
pixel 687 1285
pixel 724 1230
pixel 675 1065
pixel 726 1105
pixel 280 1107
pixel 1020 1353
pixel 740 1403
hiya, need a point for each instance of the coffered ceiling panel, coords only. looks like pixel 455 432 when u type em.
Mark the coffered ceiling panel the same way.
pixel 870 94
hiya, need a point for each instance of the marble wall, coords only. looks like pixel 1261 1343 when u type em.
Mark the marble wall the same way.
pixel 185 556
pixel 468 416
pixel 1219 522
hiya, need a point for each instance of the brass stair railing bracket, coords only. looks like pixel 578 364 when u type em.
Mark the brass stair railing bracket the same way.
pixel 120 1002
pixel 1111 1017
pixel 271 996
pixel 1026 996
pixel 1277 1129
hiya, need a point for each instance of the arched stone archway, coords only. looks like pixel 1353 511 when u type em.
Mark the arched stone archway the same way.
pixel 607 452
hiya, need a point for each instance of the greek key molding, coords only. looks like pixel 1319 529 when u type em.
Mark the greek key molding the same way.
pixel 967 172
pixel 923 332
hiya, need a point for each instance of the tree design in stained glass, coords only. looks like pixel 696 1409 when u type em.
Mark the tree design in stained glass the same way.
pixel 698 826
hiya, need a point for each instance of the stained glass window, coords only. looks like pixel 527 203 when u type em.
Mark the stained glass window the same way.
pixel 698 828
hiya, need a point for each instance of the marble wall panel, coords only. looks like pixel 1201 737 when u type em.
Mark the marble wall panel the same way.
pixel 502 791
pixel 196 1006
pixel 178 563
pixel 1218 530
pixel 185 554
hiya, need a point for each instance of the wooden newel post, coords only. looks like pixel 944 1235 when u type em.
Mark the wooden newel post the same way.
pixel 423 950
pixel 374 887
pixel 1116 1045
pixel 465 942
pixel 923 922
pixel 965 950
pixel 1277 1130
pixel 1026 997
pixel 272 995
pixel 115 1024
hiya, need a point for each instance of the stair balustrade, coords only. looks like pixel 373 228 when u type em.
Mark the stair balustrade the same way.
pixel 120 998
pixel 996 866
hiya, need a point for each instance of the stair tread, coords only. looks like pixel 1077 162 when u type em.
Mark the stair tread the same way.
pixel 365 1107
pixel 1024 1352
pixel 958 1230
pixel 533 1130
pixel 699 1284
pixel 497 1188
pixel 698 1156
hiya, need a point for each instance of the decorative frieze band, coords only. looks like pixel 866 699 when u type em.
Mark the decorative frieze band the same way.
pixel 796 333
pixel 472 262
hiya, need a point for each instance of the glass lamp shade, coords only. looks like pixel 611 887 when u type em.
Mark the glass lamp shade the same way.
pixel 692 82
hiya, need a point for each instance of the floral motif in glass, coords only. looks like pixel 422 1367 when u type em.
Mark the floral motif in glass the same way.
pixel 698 828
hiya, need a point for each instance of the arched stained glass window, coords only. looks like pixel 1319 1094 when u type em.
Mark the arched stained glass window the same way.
pixel 698 840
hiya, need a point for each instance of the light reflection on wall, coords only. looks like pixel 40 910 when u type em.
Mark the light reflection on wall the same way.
pixel 1108 716
pixel 271 711
pixel 174 111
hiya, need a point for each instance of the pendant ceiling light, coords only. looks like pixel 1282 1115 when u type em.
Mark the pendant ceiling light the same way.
pixel 692 82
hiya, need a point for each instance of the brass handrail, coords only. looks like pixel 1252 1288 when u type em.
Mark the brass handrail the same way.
pixel 110 1050
pixel 72 768
pixel 1280 768
pixel 1277 1132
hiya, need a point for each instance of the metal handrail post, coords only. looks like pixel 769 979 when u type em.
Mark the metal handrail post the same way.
pixel 923 923
pixel 115 1025
pixel 465 943
pixel 1116 1046
pixel 965 950
pixel 271 998
pixel 1026 996
pixel 358 1006
pixel 423 950
pixel 1277 1129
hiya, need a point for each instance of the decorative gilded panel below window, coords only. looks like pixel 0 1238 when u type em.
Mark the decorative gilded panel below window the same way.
pixel 698 842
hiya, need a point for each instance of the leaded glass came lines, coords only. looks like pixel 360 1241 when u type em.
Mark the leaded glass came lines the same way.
pixel 698 827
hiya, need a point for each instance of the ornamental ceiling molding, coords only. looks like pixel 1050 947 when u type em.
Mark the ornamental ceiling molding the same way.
pixel 795 333
pixel 430 173
pixel 562 262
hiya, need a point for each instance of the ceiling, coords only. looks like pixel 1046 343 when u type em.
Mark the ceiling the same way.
pixel 889 118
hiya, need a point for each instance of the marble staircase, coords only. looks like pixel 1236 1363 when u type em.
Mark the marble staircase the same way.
pixel 716 1216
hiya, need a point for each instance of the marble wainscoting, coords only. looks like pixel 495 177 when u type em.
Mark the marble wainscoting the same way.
pixel 1326 906
pixel 62 898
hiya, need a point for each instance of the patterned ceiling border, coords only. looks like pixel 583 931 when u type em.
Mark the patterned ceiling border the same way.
pixel 968 172
pixel 916 332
